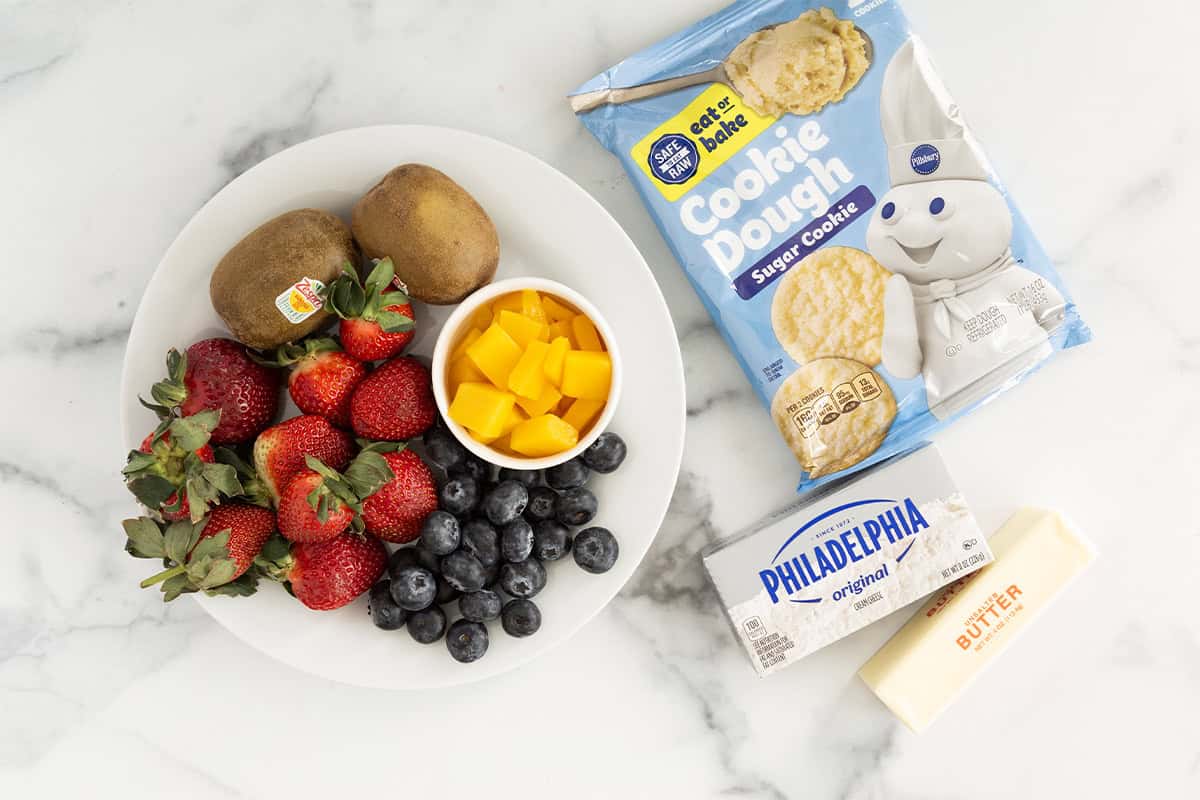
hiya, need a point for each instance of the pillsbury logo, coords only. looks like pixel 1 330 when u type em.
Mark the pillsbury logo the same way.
pixel 925 159
pixel 673 158
pixel 843 541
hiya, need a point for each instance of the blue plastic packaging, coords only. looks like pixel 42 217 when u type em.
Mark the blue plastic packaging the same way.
pixel 763 148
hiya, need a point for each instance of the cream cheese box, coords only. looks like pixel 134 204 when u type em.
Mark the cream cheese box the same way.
pixel 835 563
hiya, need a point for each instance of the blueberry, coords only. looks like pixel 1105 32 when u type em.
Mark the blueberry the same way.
pixel 384 611
pixel 606 453
pixel 404 557
pixel 467 641
pixel 474 468
pixel 529 477
pixel 568 475
pixel 445 592
pixel 480 606
pixel 428 560
pixel 464 572
pixel 459 495
pixel 596 550
pixel 506 502
pixel 443 449
pixel 440 534
pixel 541 504
pixel 523 579
pixel 427 626
pixel 575 507
pixel 480 539
pixel 491 575
pixel 551 540
pixel 520 617
pixel 516 541
pixel 414 588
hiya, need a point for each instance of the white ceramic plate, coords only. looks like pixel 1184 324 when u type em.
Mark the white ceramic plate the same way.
pixel 548 227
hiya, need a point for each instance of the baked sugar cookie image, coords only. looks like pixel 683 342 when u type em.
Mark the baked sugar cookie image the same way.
pixel 834 413
pixel 831 305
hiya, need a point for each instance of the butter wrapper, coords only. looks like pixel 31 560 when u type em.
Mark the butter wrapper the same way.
pixel 831 565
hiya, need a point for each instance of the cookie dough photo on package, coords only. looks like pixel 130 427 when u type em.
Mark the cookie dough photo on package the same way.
pixel 839 221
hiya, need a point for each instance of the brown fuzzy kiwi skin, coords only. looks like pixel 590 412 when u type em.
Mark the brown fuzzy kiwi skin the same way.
pixel 441 241
pixel 307 242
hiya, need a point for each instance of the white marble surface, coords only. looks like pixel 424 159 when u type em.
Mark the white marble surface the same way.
pixel 119 119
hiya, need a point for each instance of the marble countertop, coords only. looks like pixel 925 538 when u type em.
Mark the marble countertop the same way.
pixel 118 120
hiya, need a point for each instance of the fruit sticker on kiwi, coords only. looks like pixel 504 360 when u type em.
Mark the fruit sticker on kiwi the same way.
pixel 301 300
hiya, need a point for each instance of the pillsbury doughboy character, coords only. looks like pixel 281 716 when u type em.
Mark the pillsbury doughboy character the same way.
pixel 958 309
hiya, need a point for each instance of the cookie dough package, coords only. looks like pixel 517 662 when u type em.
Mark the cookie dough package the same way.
pixel 845 230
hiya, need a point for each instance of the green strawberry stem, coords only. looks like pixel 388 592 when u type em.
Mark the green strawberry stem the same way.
pixel 179 569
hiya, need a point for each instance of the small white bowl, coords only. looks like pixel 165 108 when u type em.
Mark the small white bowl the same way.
pixel 450 335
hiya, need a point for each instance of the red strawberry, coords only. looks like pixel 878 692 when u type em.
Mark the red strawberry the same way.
pixel 279 451
pixel 301 521
pixel 328 575
pixel 320 503
pixel 174 472
pixel 395 512
pixel 394 402
pixel 367 340
pixel 248 526
pixel 218 374
pixel 211 556
pixel 173 509
pixel 377 319
pixel 322 379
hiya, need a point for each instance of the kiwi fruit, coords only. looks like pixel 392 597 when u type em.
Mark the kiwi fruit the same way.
pixel 306 243
pixel 442 243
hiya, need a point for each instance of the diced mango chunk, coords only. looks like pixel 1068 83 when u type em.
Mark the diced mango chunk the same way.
pixel 467 341
pixel 482 318
pixel 586 374
pixel 479 437
pixel 553 365
pixel 543 436
pixel 557 310
pixel 481 408
pixel 586 337
pixel 522 329
pixel 507 302
pixel 582 413
pixel 528 378
pixel 543 404
pixel 504 445
pixel 562 330
pixel 495 353
pixel 463 370
pixel 531 306
pixel 515 417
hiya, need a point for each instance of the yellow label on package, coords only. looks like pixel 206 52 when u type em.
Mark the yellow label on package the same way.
pixel 690 146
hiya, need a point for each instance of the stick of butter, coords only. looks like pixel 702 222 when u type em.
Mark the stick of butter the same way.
pixel 965 626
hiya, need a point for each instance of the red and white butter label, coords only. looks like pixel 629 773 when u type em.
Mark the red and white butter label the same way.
pixel 301 300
